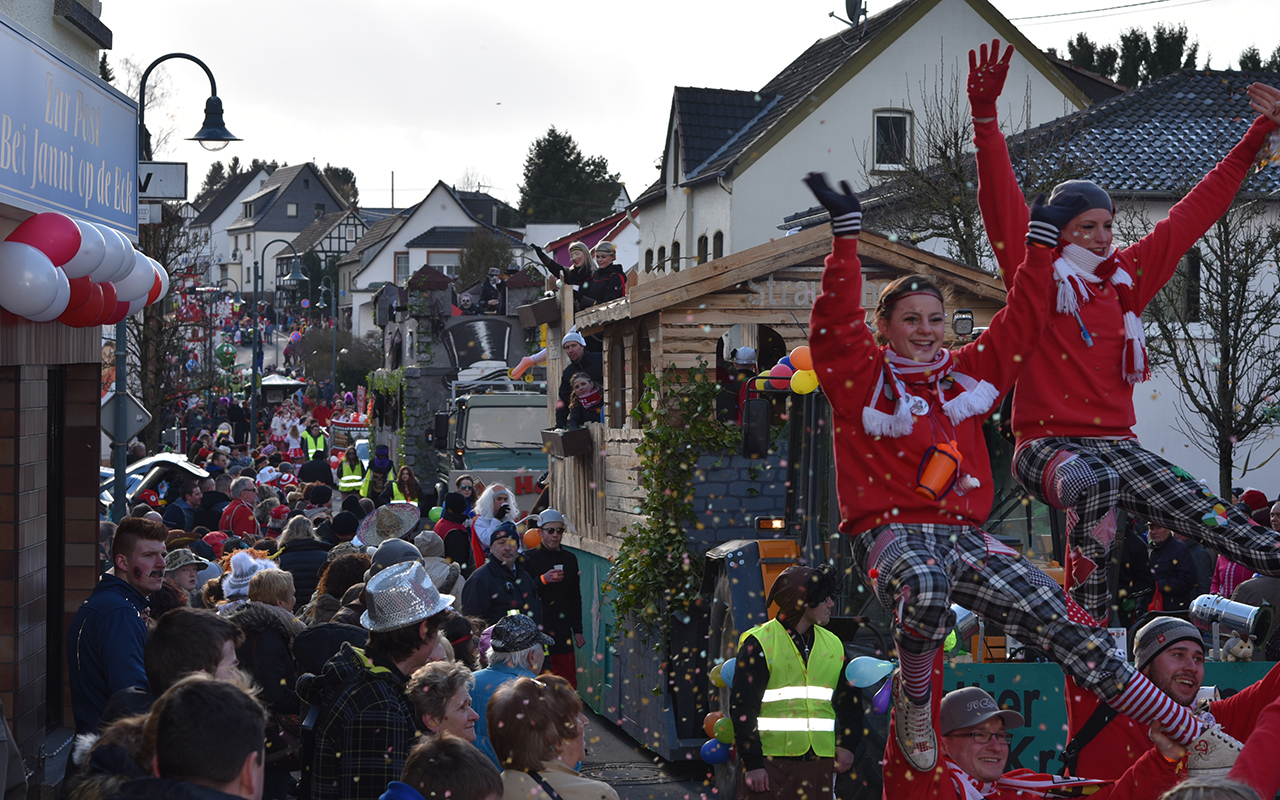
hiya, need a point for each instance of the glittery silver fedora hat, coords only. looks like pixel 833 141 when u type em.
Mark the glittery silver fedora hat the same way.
pixel 399 596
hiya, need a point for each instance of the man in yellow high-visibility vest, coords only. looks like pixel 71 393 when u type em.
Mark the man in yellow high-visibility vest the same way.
pixel 796 720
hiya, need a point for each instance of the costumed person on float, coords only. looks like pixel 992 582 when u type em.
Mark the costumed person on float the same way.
pixel 378 477
pixel 796 721
pixel 914 477
pixel 1073 413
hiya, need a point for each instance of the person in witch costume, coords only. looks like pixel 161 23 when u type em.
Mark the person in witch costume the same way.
pixel 914 478
pixel 378 476
pixel 1073 416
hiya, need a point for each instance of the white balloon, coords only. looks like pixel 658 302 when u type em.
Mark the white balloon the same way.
pixel 59 304
pixel 93 249
pixel 126 265
pixel 28 279
pixel 164 279
pixel 138 281
pixel 137 305
pixel 112 258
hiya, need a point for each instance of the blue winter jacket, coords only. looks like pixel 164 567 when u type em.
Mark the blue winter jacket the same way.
pixel 487 682
pixel 104 649
pixel 401 791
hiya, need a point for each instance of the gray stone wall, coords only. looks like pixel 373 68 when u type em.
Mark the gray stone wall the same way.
pixel 425 393
pixel 731 491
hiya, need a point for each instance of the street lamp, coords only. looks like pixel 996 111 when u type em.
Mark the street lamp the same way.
pixel 213 135
pixel 208 293
pixel 326 285
pixel 295 275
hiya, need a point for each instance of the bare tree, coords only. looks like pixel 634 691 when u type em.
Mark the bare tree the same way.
pixel 160 119
pixel 934 196
pixel 1218 332
pixel 471 181
pixel 161 337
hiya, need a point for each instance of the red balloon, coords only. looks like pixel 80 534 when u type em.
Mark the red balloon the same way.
pixel 81 288
pixel 121 311
pixel 109 301
pixel 87 314
pixel 53 234
pixel 781 376
pixel 154 294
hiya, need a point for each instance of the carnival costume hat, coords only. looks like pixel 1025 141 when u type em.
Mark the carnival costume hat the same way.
pixel 389 522
pixel 399 596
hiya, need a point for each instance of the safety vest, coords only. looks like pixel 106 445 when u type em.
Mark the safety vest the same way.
pixel 312 443
pixel 796 713
pixel 351 477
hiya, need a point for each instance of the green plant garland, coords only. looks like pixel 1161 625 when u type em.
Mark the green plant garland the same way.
pixel 654 575
pixel 385 381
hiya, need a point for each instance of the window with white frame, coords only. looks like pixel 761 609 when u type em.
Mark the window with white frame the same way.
pixel 893 139
pixel 447 262
pixel 291 210
pixel 402 269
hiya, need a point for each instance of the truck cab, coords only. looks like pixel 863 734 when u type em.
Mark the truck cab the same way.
pixel 494 438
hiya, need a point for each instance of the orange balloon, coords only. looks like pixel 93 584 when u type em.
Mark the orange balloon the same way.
pixel 532 538
pixel 801 359
pixel 709 724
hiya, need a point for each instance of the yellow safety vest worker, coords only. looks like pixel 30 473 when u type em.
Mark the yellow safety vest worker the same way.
pixel 312 443
pixel 350 476
pixel 796 713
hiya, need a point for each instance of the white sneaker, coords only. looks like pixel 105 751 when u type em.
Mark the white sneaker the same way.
pixel 1212 754
pixel 914 726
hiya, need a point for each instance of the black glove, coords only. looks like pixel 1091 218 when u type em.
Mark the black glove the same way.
pixel 503 511
pixel 1047 221
pixel 845 210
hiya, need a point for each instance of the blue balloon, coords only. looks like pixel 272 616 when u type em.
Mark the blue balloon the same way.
pixel 786 362
pixel 866 671
pixel 726 671
pixel 715 752
pixel 880 703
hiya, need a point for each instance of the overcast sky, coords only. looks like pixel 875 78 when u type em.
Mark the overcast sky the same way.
pixel 429 89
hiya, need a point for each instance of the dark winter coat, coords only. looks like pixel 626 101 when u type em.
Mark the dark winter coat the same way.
pixel 212 504
pixel 1175 572
pixel 166 789
pixel 316 470
pixel 104 649
pixel 365 728
pixel 593 363
pixel 302 558
pixel 267 655
pixel 493 590
pixel 457 541
pixel 605 284
pixel 561 601
pixel 313 647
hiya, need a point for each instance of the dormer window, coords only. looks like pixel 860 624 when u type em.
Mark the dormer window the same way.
pixel 248 210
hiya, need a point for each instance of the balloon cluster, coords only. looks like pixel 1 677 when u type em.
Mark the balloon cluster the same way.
pixel 81 274
pixel 794 371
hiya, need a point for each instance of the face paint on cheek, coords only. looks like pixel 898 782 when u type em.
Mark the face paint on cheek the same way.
pixel 137 573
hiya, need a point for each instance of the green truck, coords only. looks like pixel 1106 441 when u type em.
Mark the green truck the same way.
pixel 494 437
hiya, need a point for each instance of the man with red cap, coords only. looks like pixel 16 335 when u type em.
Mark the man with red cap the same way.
pixel 796 721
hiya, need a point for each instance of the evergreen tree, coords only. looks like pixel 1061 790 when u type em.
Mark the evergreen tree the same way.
pixel 104 70
pixel 234 167
pixel 563 185
pixel 344 183
pixel 1169 52
pixel 1135 50
pixel 1273 63
pixel 215 178
pixel 1087 55
pixel 1250 58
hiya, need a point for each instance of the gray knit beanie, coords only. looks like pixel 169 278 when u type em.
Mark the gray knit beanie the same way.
pixel 1090 191
pixel 1159 635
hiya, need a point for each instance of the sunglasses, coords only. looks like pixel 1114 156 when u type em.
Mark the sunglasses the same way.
pixel 464 488
pixel 553 530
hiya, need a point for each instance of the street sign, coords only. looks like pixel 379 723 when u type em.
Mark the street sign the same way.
pixel 150 213
pixel 135 417
pixel 162 180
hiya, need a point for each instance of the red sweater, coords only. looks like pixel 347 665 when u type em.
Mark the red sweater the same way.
pixel 876 476
pixel 1072 389
pixel 1122 740
pixel 1145 778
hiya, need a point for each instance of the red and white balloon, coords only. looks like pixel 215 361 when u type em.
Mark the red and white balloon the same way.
pixel 81 274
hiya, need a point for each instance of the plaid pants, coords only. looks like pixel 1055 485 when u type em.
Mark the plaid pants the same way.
pixel 924 568
pixel 1090 478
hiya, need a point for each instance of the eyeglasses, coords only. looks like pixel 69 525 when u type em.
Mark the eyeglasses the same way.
pixel 553 530
pixel 985 737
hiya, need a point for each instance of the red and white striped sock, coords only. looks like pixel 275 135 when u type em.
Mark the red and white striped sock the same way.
pixel 1144 702
pixel 915 671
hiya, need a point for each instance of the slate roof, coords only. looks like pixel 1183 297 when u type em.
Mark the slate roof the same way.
pixel 313 233
pixel 265 198
pixel 711 120
pixel 1158 140
pixel 220 199
pixel 452 236
pixel 377 233
pixel 1094 86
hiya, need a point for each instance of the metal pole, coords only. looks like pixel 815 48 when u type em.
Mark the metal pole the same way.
pixel 253 360
pixel 122 390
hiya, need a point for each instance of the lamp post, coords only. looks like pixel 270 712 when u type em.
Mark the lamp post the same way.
pixel 213 135
pixel 295 275
pixel 326 285
pixel 209 292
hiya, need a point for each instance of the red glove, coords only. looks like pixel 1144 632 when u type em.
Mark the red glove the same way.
pixel 986 78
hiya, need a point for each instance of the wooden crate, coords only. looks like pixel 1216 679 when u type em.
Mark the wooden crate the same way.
pixel 565 444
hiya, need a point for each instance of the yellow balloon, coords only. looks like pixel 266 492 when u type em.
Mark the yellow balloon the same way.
pixel 804 381
pixel 716 680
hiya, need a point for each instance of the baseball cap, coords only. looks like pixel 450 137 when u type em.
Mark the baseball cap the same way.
pixel 971 706
pixel 516 632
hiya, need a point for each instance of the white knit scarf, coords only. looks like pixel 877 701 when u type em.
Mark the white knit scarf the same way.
pixel 1076 267
pixel 975 396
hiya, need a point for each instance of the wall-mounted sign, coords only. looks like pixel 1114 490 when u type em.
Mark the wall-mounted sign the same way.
pixel 68 141
pixel 162 180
